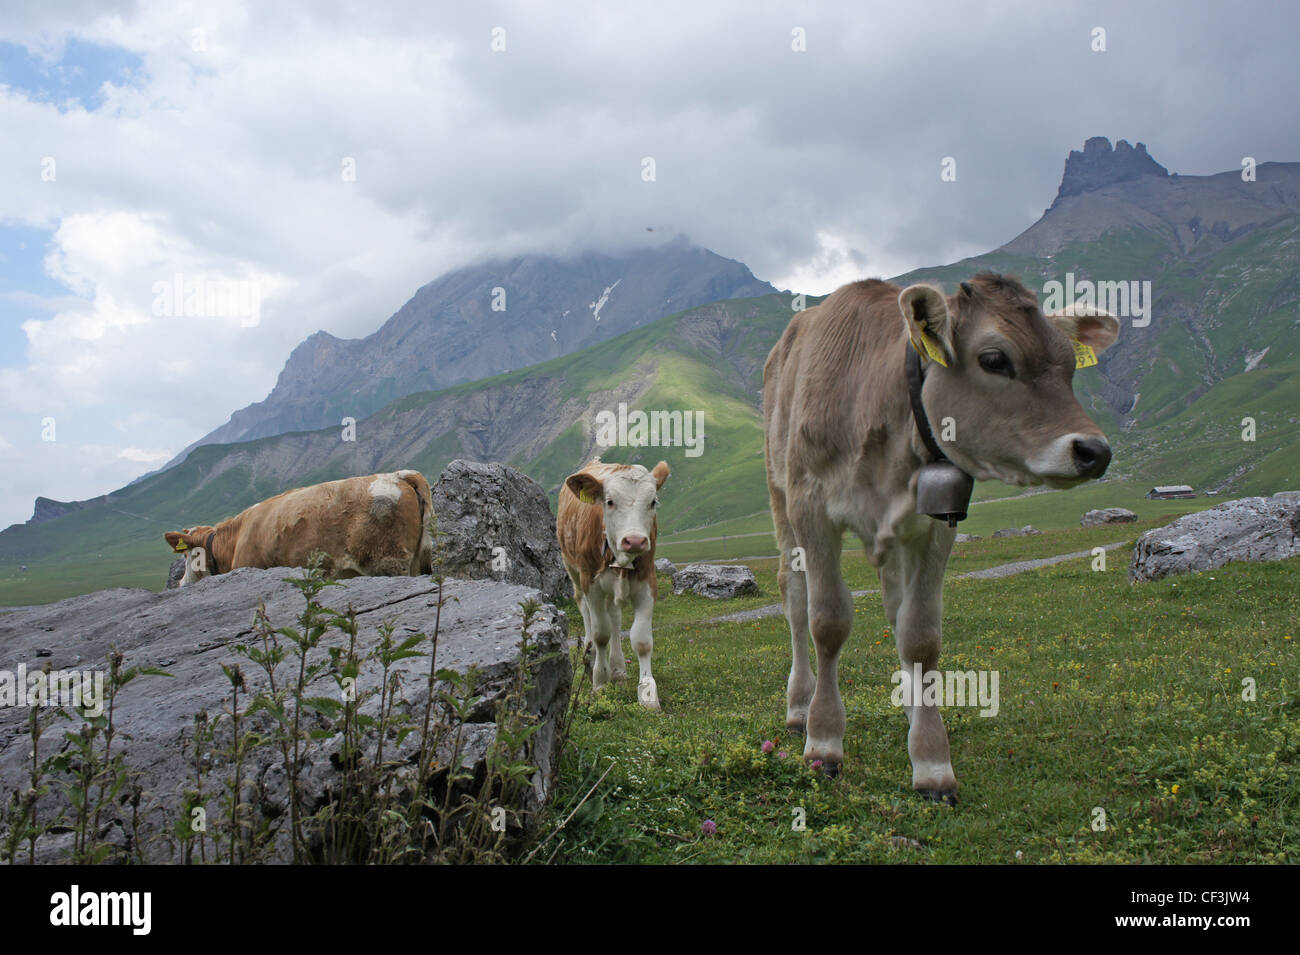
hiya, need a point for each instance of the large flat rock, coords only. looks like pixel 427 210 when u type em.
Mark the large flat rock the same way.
pixel 192 631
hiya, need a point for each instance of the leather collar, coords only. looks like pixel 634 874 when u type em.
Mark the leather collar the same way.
pixel 915 379
pixel 212 557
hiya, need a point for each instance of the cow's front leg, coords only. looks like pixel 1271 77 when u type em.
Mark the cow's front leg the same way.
pixel 643 605
pixel 617 663
pixel 919 635
pixel 588 622
pixel 830 617
pixel 604 628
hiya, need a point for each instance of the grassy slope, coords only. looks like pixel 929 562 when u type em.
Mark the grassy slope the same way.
pixel 1111 696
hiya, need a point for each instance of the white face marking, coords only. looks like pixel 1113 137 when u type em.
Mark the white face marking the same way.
pixel 629 504
pixel 192 574
pixel 1055 464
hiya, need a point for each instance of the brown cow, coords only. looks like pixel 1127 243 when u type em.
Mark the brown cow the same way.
pixel 607 526
pixel 374 526
pixel 844 449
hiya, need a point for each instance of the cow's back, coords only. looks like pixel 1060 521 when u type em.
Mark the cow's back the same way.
pixel 834 377
pixel 366 525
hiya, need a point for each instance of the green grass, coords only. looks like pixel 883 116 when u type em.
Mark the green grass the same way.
pixel 1111 696
pixel 1054 511
pixel 860 575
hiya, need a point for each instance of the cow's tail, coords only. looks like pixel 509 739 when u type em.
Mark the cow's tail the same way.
pixel 425 497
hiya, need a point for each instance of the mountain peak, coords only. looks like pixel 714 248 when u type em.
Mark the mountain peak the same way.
pixel 1101 165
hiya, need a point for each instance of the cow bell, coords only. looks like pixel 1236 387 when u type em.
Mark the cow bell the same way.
pixel 943 492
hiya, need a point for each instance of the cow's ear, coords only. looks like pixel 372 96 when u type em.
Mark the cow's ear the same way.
pixel 660 473
pixel 588 487
pixel 1088 325
pixel 176 541
pixel 928 325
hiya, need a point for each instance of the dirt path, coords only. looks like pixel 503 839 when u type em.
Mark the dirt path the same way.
pixel 988 573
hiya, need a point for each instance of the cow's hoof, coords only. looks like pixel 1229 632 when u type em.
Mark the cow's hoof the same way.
pixel 796 723
pixel 618 676
pixel 947 797
pixel 647 694
pixel 830 770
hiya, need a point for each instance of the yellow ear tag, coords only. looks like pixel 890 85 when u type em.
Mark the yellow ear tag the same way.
pixel 1084 356
pixel 181 545
pixel 931 348
pixel 586 497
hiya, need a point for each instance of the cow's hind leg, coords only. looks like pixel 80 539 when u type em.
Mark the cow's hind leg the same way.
pixel 919 635
pixel 830 618
pixel 794 601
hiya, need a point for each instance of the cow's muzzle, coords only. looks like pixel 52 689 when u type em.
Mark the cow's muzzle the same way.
pixel 1091 457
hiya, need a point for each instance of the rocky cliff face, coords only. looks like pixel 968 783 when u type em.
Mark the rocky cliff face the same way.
pixel 482 321
pixel 47 509
pixel 1099 165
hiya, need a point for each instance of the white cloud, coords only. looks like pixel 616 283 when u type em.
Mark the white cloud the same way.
pixel 153 457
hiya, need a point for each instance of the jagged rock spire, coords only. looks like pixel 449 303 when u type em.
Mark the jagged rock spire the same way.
pixel 1099 165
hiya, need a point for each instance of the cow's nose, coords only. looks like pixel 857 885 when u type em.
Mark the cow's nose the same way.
pixel 1091 456
pixel 632 542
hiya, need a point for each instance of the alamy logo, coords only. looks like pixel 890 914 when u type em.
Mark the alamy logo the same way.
pixel 946 688
pixel 662 429
pixel 1123 299
pixel 83 688
pixel 208 298
pixel 75 907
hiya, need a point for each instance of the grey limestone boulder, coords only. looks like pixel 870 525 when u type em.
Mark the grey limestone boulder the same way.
pixel 175 573
pixel 496 523
pixel 716 581
pixel 1108 515
pixel 191 632
pixel 1027 531
pixel 1251 528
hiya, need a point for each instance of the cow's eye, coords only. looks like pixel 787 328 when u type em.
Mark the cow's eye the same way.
pixel 609 502
pixel 655 502
pixel 997 363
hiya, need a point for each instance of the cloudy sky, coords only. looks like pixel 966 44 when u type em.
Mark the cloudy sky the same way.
pixel 336 156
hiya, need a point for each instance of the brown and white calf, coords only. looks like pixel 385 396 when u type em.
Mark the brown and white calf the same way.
pixel 844 452
pixel 379 525
pixel 607 525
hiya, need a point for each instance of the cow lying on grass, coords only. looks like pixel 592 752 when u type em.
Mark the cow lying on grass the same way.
pixel 846 443
pixel 374 526
pixel 607 526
